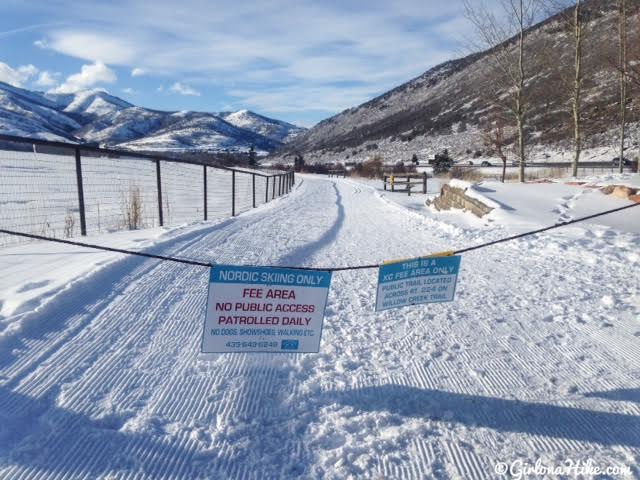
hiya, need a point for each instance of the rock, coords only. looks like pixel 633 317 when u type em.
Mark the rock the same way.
pixel 635 198
pixel 453 197
pixel 623 192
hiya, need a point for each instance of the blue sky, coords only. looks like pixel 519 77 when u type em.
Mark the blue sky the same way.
pixel 297 60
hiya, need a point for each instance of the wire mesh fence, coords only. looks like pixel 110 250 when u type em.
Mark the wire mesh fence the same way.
pixel 63 190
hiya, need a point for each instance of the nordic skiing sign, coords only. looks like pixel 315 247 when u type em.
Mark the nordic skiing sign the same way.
pixel 421 280
pixel 257 309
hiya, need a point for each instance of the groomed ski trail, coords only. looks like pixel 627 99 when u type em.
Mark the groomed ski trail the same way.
pixel 536 358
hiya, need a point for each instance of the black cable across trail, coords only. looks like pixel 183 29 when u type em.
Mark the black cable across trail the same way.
pixel 198 263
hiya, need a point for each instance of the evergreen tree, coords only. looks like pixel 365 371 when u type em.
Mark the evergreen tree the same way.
pixel 252 157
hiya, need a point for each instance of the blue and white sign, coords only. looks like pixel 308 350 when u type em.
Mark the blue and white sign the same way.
pixel 421 280
pixel 258 309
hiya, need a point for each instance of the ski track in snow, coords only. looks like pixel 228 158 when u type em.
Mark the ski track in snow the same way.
pixel 536 358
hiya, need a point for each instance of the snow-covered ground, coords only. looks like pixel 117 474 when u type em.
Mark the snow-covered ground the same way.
pixel 536 359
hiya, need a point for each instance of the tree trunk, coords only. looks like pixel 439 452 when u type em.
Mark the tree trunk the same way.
pixel 519 92
pixel 623 77
pixel 577 88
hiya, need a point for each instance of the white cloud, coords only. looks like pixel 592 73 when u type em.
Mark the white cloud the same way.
pixel 183 89
pixel 89 76
pixel 129 91
pixel 18 76
pixel 240 46
pixel 41 43
pixel 47 79
pixel 112 48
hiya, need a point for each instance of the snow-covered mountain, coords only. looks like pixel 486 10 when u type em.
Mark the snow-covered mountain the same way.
pixel 267 127
pixel 98 117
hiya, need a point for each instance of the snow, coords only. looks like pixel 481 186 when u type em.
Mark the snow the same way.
pixel 536 359
pixel 28 281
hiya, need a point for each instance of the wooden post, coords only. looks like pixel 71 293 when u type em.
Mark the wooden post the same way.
pixel 159 189
pixel 424 182
pixel 409 185
pixel 384 179
pixel 233 193
pixel 204 169
pixel 273 195
pixel 83 217
pixel 393 186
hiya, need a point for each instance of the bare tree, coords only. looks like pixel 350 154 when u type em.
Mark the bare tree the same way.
pixel 494 137
pixel 572 14
pixel 505 36
pixel 578 36
pixel 622 67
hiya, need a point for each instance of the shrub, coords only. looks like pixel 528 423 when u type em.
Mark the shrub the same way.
pixel 467 174
pixel 132 207
pixel 69 224
pixel 372 168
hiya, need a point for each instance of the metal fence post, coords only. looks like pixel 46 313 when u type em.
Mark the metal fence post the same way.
pixel 159 187
pixel 266 191
pixel 233 193
pixel 83 218
pixel 204 167
pixel 409 185
pixel 253 188
pixel 274 188
pixel 279 185
pixel 424 182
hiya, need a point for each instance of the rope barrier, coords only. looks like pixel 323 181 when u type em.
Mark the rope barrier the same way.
pixel 317 269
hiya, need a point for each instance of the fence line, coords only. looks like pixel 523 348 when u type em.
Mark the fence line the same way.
pixel 65 190
pixel 208 264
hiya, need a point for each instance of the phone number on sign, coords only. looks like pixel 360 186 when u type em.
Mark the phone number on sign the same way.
pixel 252 344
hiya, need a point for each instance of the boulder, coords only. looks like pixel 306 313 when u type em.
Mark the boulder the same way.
pixel 620 191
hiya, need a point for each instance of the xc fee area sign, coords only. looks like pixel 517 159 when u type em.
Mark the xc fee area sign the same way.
pixel 422 280
pixel 256 309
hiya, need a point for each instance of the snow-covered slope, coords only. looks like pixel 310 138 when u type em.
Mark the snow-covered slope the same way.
pixel 451 105
pixel 267 127
pixel 89 103
pixel 31 114
pixel 197 131
pixel 98 117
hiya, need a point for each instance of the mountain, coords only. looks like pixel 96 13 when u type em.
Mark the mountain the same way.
pixel 450 106
pixel 201 131
pixel 96 116
pixel 267 127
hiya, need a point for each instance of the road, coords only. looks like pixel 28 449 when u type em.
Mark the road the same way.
pixel 536 359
